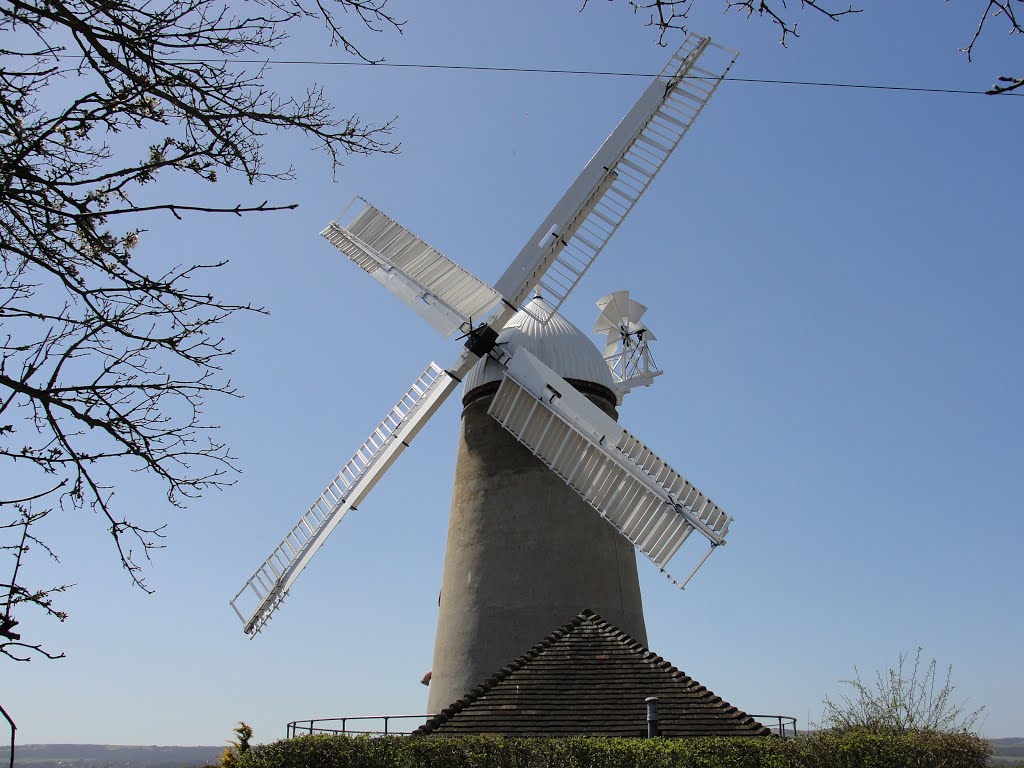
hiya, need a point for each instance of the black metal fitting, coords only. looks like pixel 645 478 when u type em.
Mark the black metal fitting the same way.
pixel 481 340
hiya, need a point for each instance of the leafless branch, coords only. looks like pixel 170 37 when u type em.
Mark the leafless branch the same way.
pixel 780 18
pixel 24 651
pixel 15 594
pixel 1011 84
pixel 994 9
pixel 108 359
pixel 668 15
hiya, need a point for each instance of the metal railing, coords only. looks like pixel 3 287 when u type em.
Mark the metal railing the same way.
pixel 330 725
pixel 784 725
pixel 780 725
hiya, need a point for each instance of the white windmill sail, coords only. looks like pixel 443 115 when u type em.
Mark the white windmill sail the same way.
pixel 268 586
pixel 647 501
pixel 437 288
pixel 568 241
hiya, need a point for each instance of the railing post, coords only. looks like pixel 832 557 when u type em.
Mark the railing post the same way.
pixel 385 725
pixel 14 730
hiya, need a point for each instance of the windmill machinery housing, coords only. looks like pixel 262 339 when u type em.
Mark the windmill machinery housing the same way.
pixel 648 502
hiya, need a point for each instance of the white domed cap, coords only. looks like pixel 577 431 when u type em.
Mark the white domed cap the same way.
pixel 559 344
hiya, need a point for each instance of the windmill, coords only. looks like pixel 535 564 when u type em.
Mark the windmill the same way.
pixel 639 500
pixel 627 348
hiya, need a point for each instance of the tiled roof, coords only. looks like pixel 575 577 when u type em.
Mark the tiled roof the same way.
pixel 590 678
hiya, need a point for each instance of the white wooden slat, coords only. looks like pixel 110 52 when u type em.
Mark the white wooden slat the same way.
pixel 435 287
pixel 609 468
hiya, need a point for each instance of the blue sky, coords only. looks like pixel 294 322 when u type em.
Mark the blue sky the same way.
pixel 834 280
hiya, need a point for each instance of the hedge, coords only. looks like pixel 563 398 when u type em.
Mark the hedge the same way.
pixel 823 750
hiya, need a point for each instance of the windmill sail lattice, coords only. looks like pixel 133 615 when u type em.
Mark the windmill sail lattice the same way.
pixel 265 589
pixel 647 501
pixel 665 507
pixel 568 241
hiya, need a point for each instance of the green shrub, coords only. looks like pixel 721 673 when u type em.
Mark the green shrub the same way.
pixel 908 697
pixel 229 757
pixel 852 749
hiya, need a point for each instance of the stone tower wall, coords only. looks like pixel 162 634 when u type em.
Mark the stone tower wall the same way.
pixel 524 555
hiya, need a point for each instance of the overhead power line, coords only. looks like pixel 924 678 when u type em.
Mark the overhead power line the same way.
pixel 587 72
pixel 604 73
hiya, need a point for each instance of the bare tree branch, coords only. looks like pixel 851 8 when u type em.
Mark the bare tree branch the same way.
pixel 780 19
pixel 108 359
pixel 24 651
pixel 17 594
pixel 994 9
pixel 668 15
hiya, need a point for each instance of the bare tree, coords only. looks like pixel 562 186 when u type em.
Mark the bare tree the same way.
pixel 667 15
pixel 909 697
pixel 107 358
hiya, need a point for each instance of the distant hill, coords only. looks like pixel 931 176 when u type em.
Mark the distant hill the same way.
pixel 1007 752
pixel 112 756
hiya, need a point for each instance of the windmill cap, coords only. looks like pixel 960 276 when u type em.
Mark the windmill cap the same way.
pixel 559 344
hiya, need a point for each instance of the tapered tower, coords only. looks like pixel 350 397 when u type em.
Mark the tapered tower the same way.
pixel 524 550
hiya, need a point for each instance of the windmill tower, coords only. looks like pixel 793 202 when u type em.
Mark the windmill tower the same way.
pixel 524 550
pixel 551 493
